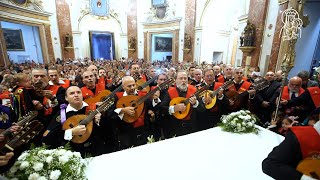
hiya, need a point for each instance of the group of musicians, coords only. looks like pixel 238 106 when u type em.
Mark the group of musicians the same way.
pixel 178 103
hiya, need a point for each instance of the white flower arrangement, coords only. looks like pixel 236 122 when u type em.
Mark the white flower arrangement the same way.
pixel 242 121
pixel 42 164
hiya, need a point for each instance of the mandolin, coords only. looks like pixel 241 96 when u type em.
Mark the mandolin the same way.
pixel 179 100
pixel 138 102
pixel 120 75
pixel 310 166
pixel 145 86
pixel 214 93
pixel 22 137
pixel 87 119
pixel 239 98
pixel 21 122
pixel 98 98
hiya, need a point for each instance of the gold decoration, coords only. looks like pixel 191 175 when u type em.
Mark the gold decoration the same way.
pixel 4 117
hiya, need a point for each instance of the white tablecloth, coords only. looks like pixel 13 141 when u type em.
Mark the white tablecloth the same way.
pixel 206 155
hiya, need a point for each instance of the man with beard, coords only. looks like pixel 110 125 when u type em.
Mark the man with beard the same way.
pixel 187 125
pixel 262 102
pixel 90 89
pixel 290 92
pixel 55 136
pixel 135 133
pixel 210 117
pixel 228 70
pixel 47 97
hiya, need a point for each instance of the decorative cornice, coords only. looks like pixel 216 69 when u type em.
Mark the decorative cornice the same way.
pixel 26 10
pixel 9 16
pixel 175 20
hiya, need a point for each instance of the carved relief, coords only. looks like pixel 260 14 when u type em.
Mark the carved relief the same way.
pixel 166 12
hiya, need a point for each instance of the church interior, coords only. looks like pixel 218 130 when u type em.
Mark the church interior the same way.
pixel 258 38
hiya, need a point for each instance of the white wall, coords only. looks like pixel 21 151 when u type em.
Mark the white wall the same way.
pixel 218 25
pixel 31 39
pixel 80 30
pixel 159 55
pixel 268 35
pixel 50 6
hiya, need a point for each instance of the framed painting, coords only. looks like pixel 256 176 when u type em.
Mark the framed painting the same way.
pixel 20 2
pixel 158 3
pixel 14 40
pixel 163 44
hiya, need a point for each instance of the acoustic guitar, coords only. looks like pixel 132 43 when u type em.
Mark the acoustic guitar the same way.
pixel 21 122
pixel 138 102
pixel 22 137
pixel 179 100
pixel 310 166
pixel 213 94
pixel 87 119
pixel 239 98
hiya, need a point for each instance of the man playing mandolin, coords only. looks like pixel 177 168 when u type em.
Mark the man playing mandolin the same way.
pixel 55 136
pixel 297 157
pixel 187 124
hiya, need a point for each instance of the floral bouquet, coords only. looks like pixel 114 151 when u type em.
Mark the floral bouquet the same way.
pixel 55 164
pixel 242 121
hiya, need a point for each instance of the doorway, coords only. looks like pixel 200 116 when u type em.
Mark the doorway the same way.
pixel 102 45
pixel 161 47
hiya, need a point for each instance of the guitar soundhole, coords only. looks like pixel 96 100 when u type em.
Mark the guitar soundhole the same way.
pixel 180 112
pixel 133 105
pixel 80 135
pixel 70 125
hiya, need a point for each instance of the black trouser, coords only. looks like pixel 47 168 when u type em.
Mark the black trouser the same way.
pixel 179 128
pixel 132 137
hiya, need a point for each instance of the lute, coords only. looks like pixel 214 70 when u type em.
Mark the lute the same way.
pixel 138 102
pixel 186 101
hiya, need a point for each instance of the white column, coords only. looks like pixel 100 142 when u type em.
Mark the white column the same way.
pixel 124 45
pixel 197 44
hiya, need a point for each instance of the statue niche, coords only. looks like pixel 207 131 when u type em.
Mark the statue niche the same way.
pixel 132 44
pixel 248 34
pixel 68 40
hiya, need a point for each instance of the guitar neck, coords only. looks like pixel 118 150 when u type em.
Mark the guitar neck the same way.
pixel 147 96
pixel 21 123
pixel 147 83
pixel 187 101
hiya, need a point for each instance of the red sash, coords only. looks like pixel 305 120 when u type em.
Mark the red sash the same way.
pixel 285 93
pixel 244 87
pixel 308 138
pixel 173 93
pixel 315 95
pixel 102 81
pixel 87 93
pixel 220 79
pixel 140 121
pixel 66 83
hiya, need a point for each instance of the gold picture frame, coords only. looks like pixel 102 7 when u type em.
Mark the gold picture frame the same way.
pixel 14 39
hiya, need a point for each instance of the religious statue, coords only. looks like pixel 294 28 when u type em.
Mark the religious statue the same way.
pixel 132 43
pixel 187 41
pixel 249 34
pixel 241 39
pixel 68 39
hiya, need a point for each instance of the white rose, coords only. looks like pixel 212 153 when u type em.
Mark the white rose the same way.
pixel 243 123
pixel 54 175
pixel 13 169
pixel 236 119
pixel 33 176
pixel 24 165
pixel 224 121
pixel 47 152
pixel 77 154
pixel 238 125
pixel 49 159
pixel 249 124
pixel 22 156
pixel 42 178
pixel 63 159
pixel 247 111
pixel 38 166
pixel 233 122
pixel 61 152
pixel 69 154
